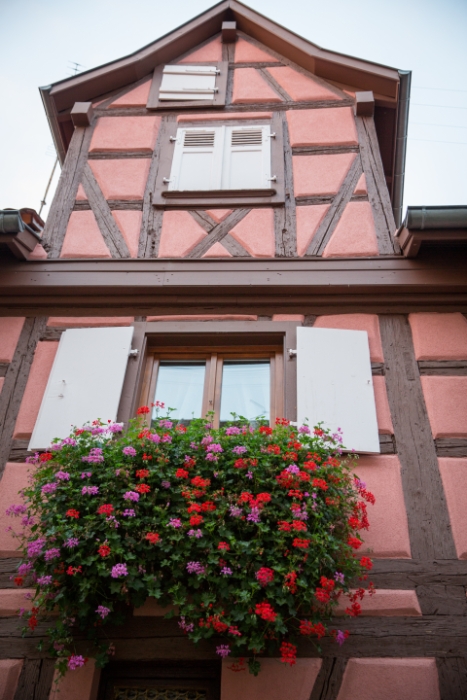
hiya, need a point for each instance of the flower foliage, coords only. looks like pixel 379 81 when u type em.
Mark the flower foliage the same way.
pixel 251 532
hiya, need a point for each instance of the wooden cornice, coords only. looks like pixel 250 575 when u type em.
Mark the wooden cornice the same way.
pixel 72 287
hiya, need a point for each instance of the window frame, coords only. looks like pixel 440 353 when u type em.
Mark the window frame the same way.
pixel 154 103
pixel 274 196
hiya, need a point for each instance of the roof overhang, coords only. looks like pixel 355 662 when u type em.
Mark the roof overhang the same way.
pixel 390 86
pixel 428 227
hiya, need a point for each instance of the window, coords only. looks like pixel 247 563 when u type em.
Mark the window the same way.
pixel 247 382
pixel 235 163
pixel 197 85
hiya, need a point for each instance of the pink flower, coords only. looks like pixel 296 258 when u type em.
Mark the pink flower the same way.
pixel 102 611
pixel 76 661
pixel 223 650
pixel 119 570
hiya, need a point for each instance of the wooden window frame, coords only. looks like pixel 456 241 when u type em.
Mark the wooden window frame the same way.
pixel 217 101
pixel 274 196
pixel 231 336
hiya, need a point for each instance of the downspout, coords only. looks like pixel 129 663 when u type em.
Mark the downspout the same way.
pixel 401 144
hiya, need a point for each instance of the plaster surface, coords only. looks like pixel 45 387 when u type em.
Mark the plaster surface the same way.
pixel 205 317
pixel 81 684
pixel 322 127
pixel 10 670
pixel 454 477
pixel 354 235
pixel 218 214
pixel 357 322
pixel 15 478
pixel 388 535
pixel 83 238
pixel 217 251
pixel 360 187
pixel 320 175
pixel 39 253
pixel 129 223
pixel 308 221
pixel 390 679
pixel 2 380
pixel 121 178
pixel 256 233
pixel 446 403
pixel 249 53
pixel 180 233
pixel 439 336
pixel 383 412
pixel 81 194
pixel 10 330
pixel 276 681
pixel 137 97
pixel 300 87
pixel 89 321
pixel 212 51
pixel 37 381
pixel 114 134
pixel 215 116
pixel 13 599
pixel 249 87
pixel 288 317
pixel 385 603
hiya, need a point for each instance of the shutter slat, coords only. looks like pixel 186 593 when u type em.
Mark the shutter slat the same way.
pixel 85 382
pixel 335 386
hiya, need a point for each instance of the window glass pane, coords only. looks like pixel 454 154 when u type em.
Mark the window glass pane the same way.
pixel 180 385
pixel 245 389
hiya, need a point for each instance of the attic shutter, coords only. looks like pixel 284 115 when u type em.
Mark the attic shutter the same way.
pixel 188 83
pixel 334 385
pixel 196 163
pixel 247 158
pixel 85 382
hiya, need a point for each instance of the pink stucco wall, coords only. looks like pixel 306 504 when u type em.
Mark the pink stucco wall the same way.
pixel 388 535
pixel 383 413
pixel 10 670
pixel 211 51
pixel 2 380
pixel 121 179
pixel 205 317
pixel 129 223
pixel 218 214
pixel 35 387
pixel 454 476
pixel 89 321
pixel 137 97
pixel 15 478
pixel 354 235
pixel 249 53
pixel 360 187
pixel 81 684
pixel 320 175
pixel 321 127
pixel 249 87
pixel 357 322
pixel 308 221
pixel 439 336
pixel 83 238
pixel 276 681
pixel 385 603
pixel 217 251
pixel 288 317
pixel 10 330
pixel 300 87
pixel 390 679
pixel 114 134
pixel 446 403
pixel 215 116
pixel 256 233
pixel 180 233
pixel 13 599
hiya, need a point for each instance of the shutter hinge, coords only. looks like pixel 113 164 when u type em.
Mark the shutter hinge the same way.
pixel 291 353
pixel 272 179
pixel 166 180
pixel 273 135
pixel 172 138
pixel 134 353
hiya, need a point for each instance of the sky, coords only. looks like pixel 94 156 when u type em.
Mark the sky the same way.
pixel 41 40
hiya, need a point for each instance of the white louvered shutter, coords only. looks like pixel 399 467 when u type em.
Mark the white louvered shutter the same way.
pixel 197 159
pixel 85 382
pixel 188 83
pixel 335 386
pixel 247 158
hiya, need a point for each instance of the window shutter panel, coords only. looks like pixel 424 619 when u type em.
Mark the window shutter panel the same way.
pixel 85 382
pixel 247 158
pixel 335 386
pixel 197 159
pixel 188 83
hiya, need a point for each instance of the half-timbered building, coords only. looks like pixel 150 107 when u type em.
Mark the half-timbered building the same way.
pixel 229 219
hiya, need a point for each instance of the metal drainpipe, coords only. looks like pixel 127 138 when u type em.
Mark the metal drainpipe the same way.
pixel 401 144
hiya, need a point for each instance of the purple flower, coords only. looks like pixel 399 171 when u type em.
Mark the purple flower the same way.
pixel 129 513
pixel 16 510
pixel 102 611
pixel 184 626
pixel 115 427
pixel 24 569
pixel 51 554
pixel 249 475
pixel 166 438
pixel 194 567
pixel 32 459
pixel 164 423
pixel 223 650
pixel 292 469
pixel 211 457
pixel 193 445
pixel 304 429
pixel 63 476
pixel 97 430
pixel 235 511
pixel 165 484
pixel 44 580
pixel 69 441
pixel 112 520
pixel 131 496
pixel 27 521
pixel 175 522
pixel 340 637
pixel 233 430
pixel 49 488
pixel 155 438
pixel 226 571
pixel 35 547
pixel 71 542
pixel 75 661
pixel 207 440
pixel 254 516
pixel 239 450
pixel 195 533
pixel 56 447
pixel 129 451
pixel 95 455
pixel 339 577
pixel 214 447
pixel 360 484
pixel 91 490
pixel 119 570
pixel 86 475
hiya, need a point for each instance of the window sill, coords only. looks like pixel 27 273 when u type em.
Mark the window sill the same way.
pixel 228 198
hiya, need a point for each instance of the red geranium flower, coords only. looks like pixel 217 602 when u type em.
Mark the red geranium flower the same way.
pixel 46 457
pixel 354 542
pixel 301 544
pixel 366 563
pixel 143 488
pixel 18 580
pixel 105 509
pixel 288 653
pixel 104 550
pixel 72 513
pixel 142 410
pixel 196 520
pixel 142 473
pixel 223 545
pixel 181 474
pixel 265 611
pixel 153 537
